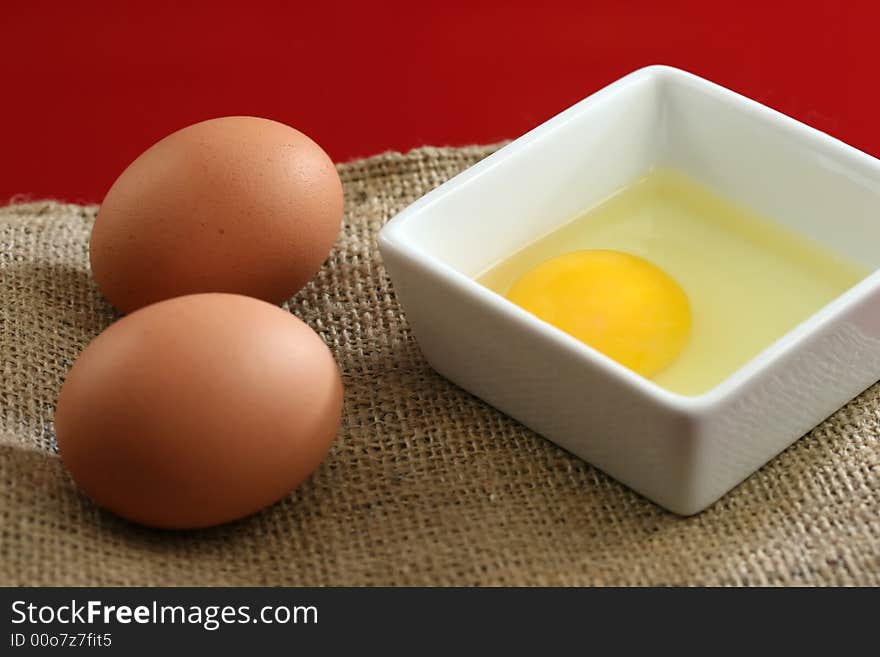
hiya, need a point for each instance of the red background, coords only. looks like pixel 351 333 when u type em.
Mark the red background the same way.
pixel 88 85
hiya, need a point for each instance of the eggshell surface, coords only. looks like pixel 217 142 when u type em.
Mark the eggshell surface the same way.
pixel 198 410
pixel 237 204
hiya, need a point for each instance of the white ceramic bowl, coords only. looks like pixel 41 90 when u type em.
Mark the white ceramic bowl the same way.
pixel 682 452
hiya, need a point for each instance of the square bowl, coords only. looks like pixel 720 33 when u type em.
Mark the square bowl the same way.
pixel 682 452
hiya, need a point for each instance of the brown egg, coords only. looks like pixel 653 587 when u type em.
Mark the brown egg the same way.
pixel 198 410
pixel 237 204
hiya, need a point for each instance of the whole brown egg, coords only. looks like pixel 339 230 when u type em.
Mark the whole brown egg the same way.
pixel 237 204
pixel 198 410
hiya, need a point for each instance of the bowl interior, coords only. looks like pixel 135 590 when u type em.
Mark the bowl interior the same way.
pixel 793 175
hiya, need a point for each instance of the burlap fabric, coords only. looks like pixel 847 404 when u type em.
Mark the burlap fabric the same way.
pixel 425 484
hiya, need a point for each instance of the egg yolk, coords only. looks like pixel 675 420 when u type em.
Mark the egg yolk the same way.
pixel 622 305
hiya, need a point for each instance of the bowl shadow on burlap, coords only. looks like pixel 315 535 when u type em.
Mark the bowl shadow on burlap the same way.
pixel 407 373
pixel 766 494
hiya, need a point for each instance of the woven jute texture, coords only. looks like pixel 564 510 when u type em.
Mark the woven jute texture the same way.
pixel 425 485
